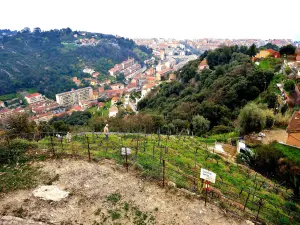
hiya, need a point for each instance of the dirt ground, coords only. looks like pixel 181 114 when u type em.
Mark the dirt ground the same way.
pixel 103 193
pixel 279 135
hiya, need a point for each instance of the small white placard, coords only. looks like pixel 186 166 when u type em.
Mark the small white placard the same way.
pixel 208 175
pixel 125 150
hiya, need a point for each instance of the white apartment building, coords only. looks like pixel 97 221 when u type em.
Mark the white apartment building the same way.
pixel 73 97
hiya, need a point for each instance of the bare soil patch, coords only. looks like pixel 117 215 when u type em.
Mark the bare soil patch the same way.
pixel 103 193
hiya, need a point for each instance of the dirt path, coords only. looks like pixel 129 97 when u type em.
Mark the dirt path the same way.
pixel 105 194
pixel 279 135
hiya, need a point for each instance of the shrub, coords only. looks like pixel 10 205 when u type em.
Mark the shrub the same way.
pixel 251 118
pixel 289 85
pixel 14 151
pixel 200 125
pixel 221 129
pixel 270 118
pixel 282 120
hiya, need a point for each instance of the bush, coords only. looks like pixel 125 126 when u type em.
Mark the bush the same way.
pixel 282 120
pixel 221 129
pixel 14 151
pixel 270 118
pixel 289 85
pixel 251 118
pixel 200 125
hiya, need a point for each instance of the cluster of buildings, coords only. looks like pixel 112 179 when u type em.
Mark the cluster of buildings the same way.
pixel 129 68
pixel 211 43
pixel 176 47
pixel 39 108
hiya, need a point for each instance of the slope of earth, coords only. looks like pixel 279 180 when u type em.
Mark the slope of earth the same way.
pixel 105 194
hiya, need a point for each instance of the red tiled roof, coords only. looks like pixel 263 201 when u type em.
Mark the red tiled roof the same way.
pixel 294 125
pixel 203 63
pixel 32 95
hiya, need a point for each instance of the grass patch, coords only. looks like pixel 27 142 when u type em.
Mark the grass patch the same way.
pixel 290 152
pixel 15 178
pixel 114 214
pixel 114 198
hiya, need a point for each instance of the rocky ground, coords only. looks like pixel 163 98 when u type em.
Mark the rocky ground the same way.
pixel 104 193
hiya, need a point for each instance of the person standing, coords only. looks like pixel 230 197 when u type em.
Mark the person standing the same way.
pixel 106 131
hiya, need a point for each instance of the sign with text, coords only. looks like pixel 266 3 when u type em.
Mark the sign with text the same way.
pixel 125 151
pixel 208 175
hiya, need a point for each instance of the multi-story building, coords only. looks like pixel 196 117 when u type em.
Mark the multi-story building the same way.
pixel 33 98
pixel 73 97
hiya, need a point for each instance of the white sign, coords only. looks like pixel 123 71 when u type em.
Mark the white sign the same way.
pixel 125 151
pixel 208 175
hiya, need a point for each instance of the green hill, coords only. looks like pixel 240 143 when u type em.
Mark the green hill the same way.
pixel 217 94
pixel 46 60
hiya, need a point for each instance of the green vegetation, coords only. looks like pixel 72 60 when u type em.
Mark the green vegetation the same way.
pixel 289 85
pixel 184 157
pixel 48 60
pixel 15 178
pixel 287 50
pixel 7 97
pixel 217 94
pixel 114 198
pixel 254 118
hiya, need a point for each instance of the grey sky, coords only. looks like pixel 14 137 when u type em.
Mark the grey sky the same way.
pixel 159 18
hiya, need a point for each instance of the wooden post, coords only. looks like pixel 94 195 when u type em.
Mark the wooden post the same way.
pixel 126 157
pixel 164 170
pixel 205 193
pixel 254 191
pixel 160 155
pixel 153 150
pixel 260 203
pixel 89 152
pixel 51 138
pixel 106 149
pixel 61 142
pixel 246 200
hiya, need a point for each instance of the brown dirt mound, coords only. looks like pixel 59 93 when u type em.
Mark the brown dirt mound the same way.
pixel 103 193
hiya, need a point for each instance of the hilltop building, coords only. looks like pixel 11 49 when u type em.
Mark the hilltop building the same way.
pixel 203 65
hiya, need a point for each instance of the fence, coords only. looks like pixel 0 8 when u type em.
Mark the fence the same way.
pixel 160 159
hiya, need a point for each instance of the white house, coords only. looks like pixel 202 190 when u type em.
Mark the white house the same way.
pixel 32 98
pixel 113 111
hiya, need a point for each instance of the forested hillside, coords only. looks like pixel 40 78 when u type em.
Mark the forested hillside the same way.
pixel 212 97
pixel 47 60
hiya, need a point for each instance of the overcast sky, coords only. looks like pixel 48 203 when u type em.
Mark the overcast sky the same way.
pixel 159 18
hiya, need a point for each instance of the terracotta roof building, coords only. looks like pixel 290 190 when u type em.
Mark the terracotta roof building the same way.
pixel 293 130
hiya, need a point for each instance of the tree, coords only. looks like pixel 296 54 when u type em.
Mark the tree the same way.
pixel 20 123
pixel 252 50
pixel 287 50
pixel 107 87
pixel 200 125
pixel 251 118
pixel 270 46
pixel 289 85
pixel 60 126
pixel 120 77
pixel 270 99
